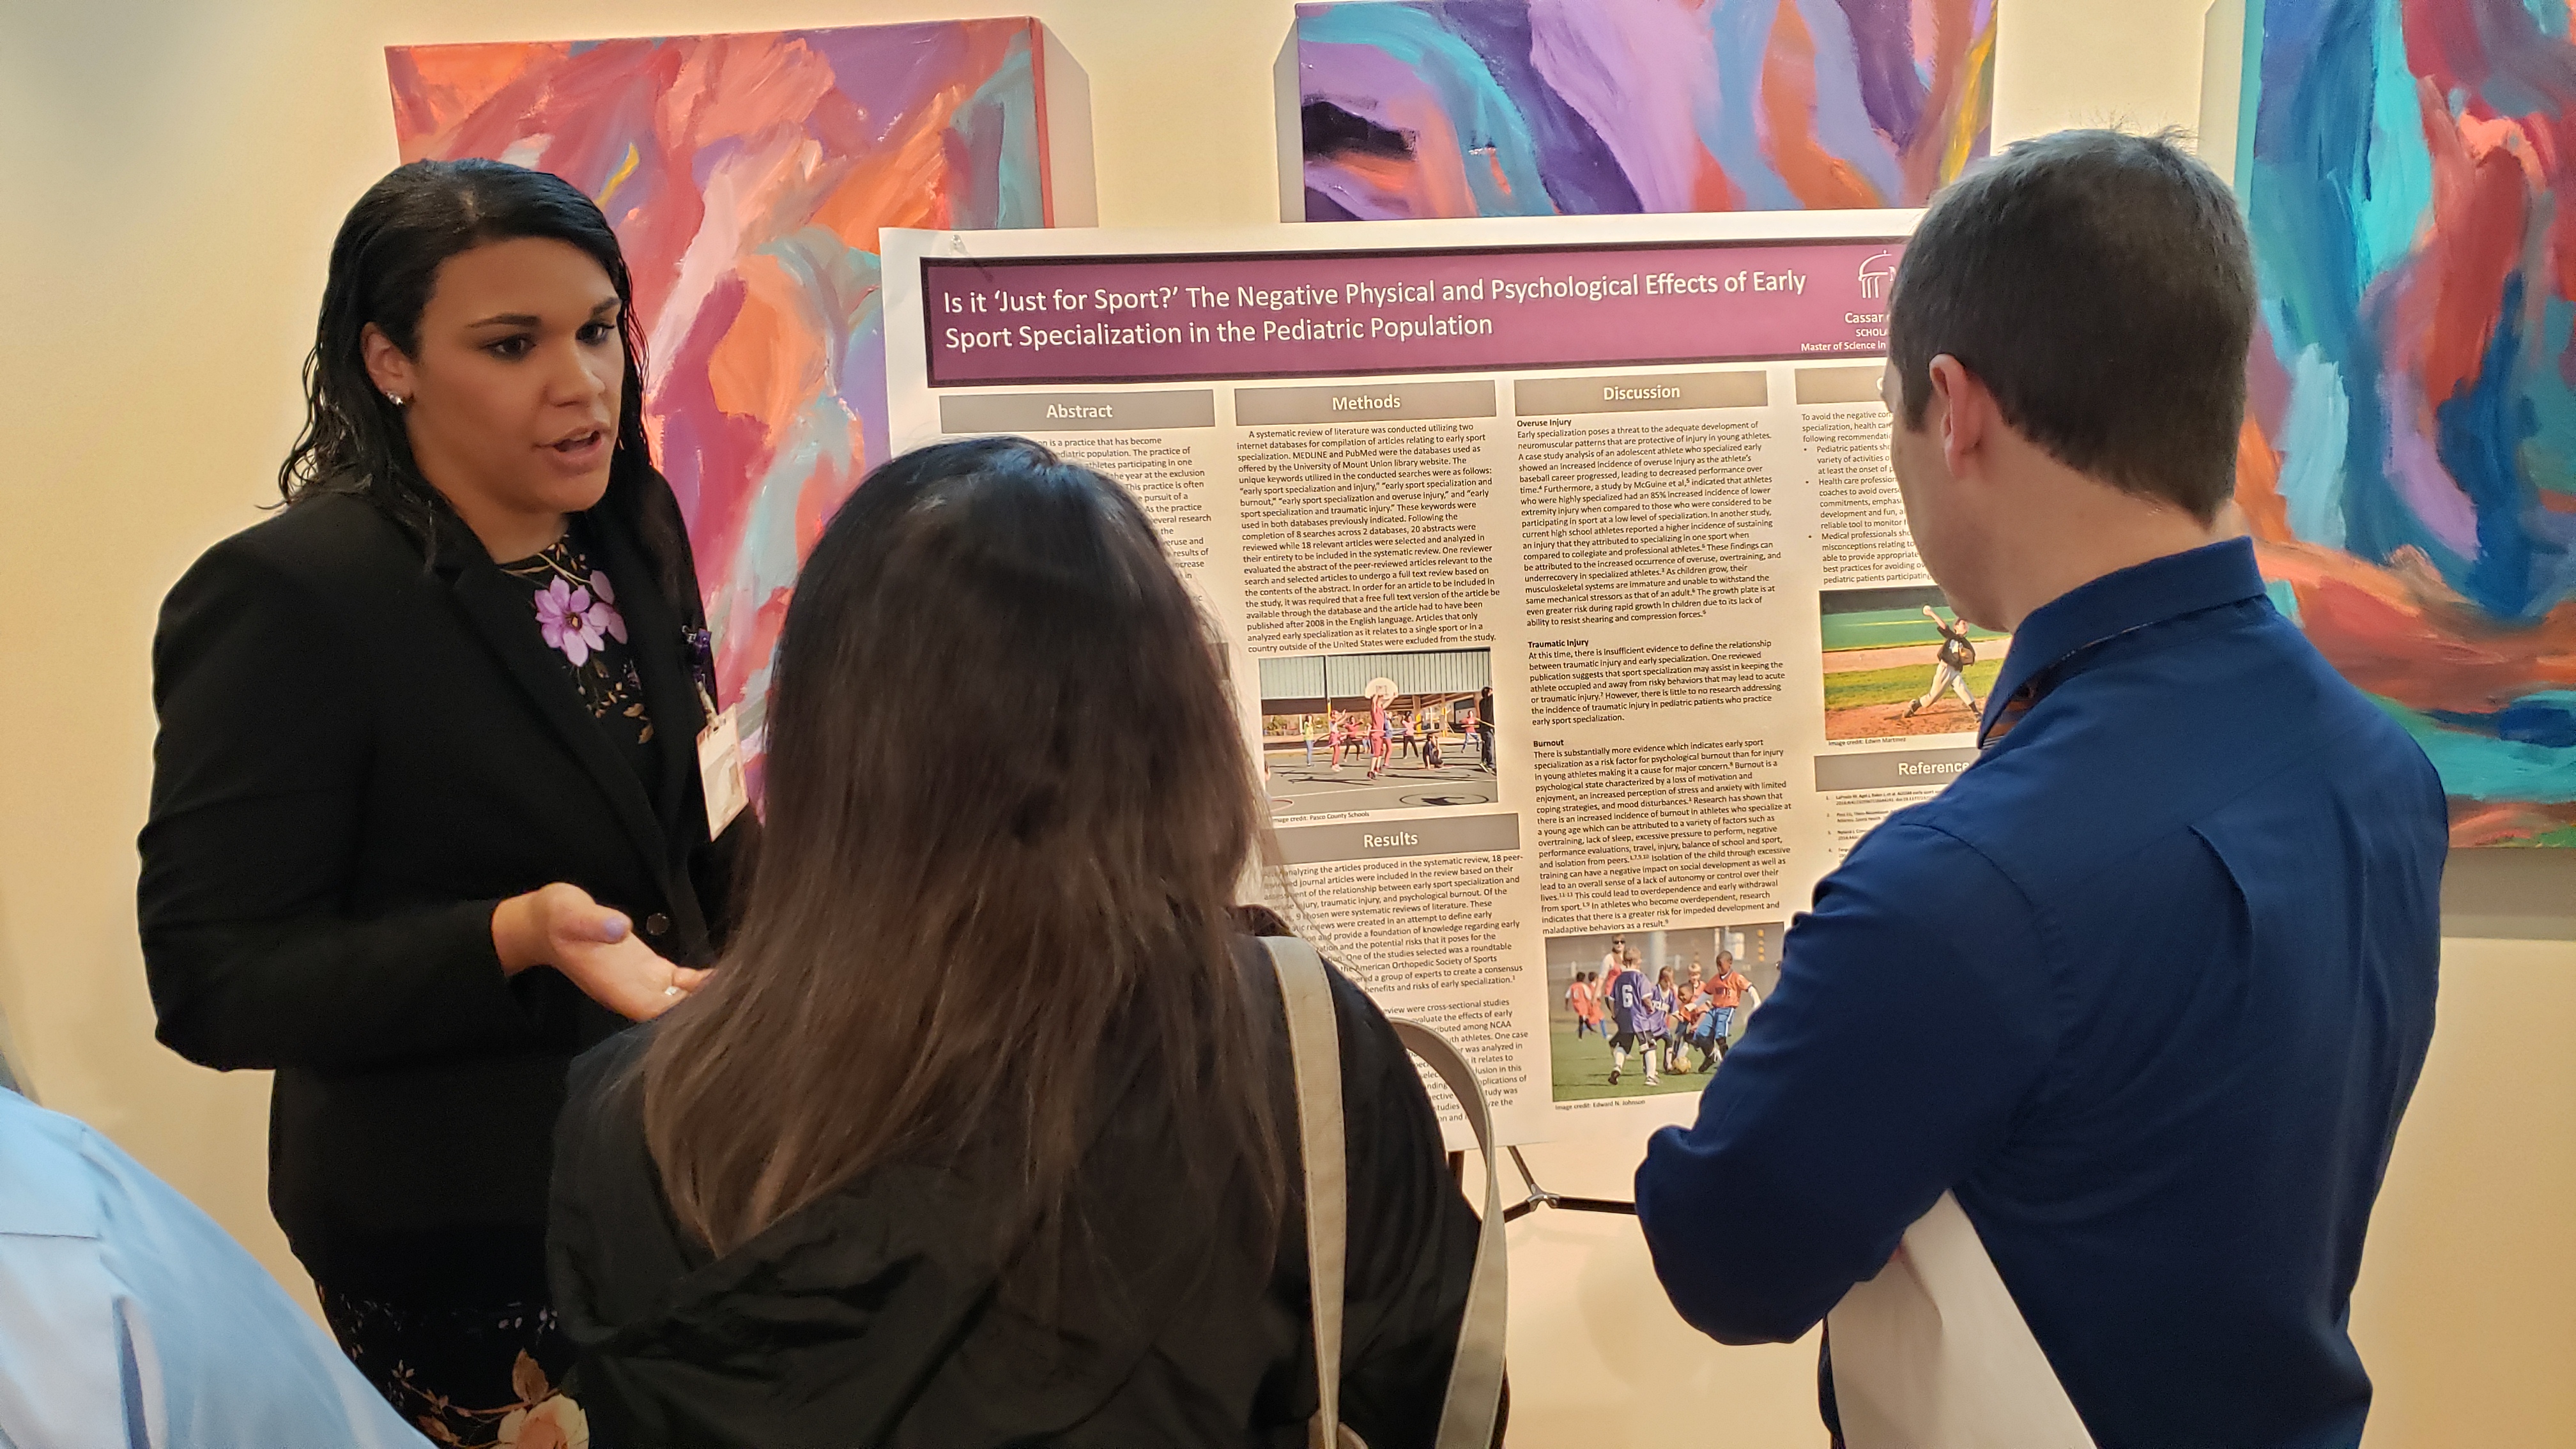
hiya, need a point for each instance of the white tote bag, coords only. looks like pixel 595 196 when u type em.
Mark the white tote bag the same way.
pixel 1314 1047
pixel 1934 1354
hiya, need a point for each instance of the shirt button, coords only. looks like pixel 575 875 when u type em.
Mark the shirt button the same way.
pixel 657 924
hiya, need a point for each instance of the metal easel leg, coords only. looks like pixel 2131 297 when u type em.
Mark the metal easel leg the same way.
pixel 1540 1197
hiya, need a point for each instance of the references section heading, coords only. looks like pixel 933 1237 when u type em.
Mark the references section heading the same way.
pixel 1351 314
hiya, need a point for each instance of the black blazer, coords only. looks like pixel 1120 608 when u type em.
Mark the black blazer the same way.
pixel 360 756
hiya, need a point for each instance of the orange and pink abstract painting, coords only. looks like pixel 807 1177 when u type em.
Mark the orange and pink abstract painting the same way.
pixel 747 176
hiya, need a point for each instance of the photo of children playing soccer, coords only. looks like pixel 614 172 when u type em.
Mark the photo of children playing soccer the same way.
pixel 1357 732
pixel 1902 662
pixel 1641 1013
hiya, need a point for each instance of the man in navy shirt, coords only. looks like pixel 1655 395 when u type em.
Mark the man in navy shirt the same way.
pixel 2148 985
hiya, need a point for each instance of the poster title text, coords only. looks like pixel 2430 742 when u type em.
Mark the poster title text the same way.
pixel 1033 319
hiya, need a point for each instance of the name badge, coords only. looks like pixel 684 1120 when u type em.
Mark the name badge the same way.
pixel 720 772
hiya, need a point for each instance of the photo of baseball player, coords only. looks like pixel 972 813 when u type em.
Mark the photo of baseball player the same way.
pixel 1900 662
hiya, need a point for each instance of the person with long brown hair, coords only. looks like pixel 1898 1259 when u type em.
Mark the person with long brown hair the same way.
pixel 1041 1191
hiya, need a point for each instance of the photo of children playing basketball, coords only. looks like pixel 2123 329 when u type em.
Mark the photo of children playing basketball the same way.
pixel 1902 662
pixel 1640 1013
pixel 1398 731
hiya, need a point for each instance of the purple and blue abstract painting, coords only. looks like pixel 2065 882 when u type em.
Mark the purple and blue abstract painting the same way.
pixel 1434 108
pixel 2409 459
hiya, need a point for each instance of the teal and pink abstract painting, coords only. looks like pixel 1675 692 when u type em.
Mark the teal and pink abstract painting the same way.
pixel 747 176
pixel 1421 108
pixel 2408 467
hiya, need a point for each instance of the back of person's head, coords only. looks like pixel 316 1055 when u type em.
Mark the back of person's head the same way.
pixel 2100 285
pixel 1007 810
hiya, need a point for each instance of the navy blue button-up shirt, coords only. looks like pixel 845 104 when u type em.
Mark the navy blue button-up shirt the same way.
pixel 2147 986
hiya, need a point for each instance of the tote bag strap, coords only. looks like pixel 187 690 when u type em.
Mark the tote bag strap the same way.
pixel 1315 1055
pixel 1476 1376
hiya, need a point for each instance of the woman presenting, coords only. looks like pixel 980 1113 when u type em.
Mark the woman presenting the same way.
pixel 427 817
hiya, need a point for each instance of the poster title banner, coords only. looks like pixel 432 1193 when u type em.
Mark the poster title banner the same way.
pixel 1005 320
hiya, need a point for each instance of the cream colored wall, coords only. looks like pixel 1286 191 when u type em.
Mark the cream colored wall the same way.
pixel 173 175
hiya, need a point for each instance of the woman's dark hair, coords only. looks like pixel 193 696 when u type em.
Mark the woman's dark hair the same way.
pixel 2102 286
pixel 384 265
pixel 1008 809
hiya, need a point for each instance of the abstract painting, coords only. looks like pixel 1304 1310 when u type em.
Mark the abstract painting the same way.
pixel 2409 460
pixel 747 176
pixel 1416 108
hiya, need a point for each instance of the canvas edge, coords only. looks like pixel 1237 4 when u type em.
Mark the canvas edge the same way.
pixel 1065 140
pixel 2222 74
pixel 1285 97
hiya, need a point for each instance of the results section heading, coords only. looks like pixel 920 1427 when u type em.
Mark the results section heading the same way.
pixel 1003 320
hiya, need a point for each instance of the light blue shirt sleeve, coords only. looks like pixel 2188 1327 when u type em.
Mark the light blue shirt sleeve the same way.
pixel 129 1320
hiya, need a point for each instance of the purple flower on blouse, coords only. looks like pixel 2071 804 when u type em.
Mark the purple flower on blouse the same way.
pixel 564 617
pixel 603 614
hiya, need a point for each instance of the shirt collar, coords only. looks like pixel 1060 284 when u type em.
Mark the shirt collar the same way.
pixel 2116 603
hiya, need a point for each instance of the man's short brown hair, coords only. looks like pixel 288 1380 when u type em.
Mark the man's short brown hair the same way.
pixel 2100 285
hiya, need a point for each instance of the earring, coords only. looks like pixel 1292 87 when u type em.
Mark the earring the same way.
pixel 396 401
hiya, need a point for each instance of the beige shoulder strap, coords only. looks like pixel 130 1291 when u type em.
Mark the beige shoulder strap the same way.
pixel 1476 1376
pixel 1315 1055
pixel 1934 1354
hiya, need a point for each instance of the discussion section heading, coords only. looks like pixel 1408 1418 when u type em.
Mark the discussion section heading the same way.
pixel 1349 314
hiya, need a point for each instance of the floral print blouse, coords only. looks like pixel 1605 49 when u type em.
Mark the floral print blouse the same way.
pixel 573 605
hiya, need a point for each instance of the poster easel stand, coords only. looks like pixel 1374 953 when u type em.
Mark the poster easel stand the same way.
pixel 1540 1197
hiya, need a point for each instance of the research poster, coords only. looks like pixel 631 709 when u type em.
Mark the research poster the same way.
pixel 1573 619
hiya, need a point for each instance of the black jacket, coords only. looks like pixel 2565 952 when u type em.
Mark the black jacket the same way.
pixel 359 756
pixel 870 1318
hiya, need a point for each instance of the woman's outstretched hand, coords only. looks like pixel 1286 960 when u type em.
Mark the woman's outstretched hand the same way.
pixel 594 947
